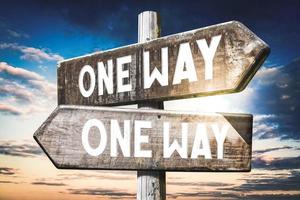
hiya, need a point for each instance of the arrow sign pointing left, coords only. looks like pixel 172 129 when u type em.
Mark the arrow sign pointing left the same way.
pixel 78 137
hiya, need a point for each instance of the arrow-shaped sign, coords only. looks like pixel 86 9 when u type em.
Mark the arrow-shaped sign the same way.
pixel 213 60
pixel 79 137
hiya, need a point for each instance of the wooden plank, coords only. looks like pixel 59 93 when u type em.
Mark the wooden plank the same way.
pixel 60 136
pixel 238 56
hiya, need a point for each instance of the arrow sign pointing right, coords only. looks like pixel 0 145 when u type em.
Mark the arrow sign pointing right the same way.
pixel 213 60
pixel 79 137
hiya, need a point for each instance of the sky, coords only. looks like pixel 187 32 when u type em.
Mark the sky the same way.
pixel 35 35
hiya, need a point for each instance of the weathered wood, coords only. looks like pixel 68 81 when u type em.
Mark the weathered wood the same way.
pixel 239 55
pixel 60 136
pixel 151 185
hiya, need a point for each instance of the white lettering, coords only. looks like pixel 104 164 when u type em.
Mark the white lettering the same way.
pixel 124 141
pixel 121 139
pixel 208 54
pixel 220 138
pixel 184 60
pixel 139 139
pixel 85 137
pixel 107 78
pixel 168 150
pixel 201 138
pixel 122 74
pixel 87 69
pixel 162 77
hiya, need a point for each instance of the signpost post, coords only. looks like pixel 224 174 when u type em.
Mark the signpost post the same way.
pixel 150 184
pixel 80 134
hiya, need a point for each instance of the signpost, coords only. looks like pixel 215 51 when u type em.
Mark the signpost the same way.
pixel 81 137
pixel 80 134
pixel 212 60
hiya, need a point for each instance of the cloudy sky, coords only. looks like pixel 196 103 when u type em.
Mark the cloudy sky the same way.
pixel 35 35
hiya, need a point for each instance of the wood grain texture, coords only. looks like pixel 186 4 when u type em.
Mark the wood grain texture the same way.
pixel 60 138
pixel 151 185
pixel 239 55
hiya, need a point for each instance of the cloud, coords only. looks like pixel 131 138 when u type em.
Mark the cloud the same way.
pixel 267 75
pixel 263 117
pixel 271 149
pixel 14 89
pixel 200 184
pixel 268 162
pixel 45 87
pixel 43 67
pixel 32 53
pixel 6 182
pixel 8 109
pixel 287 183
pixel 16 34
pixel 24 149
pixel 7 171
pixel 264 185
pixel 277 102
pixel 232 195
pixel 48 183
pixel 272 196
pixel 102 192
pixel 110 175
pixel 24 92
pixel 20 72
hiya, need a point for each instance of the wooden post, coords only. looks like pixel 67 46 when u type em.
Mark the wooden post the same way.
pixel 151 185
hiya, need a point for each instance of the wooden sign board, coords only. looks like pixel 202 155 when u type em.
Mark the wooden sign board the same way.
pixel 213 60
pixel 82 137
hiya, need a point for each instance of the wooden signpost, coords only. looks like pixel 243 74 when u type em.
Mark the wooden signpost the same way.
pixel 80 134
pixel 213 60
pixel 81 137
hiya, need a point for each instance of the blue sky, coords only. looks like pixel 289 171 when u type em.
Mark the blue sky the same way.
pixel 35 35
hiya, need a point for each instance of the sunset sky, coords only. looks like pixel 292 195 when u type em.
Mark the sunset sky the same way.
pixel 35 35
